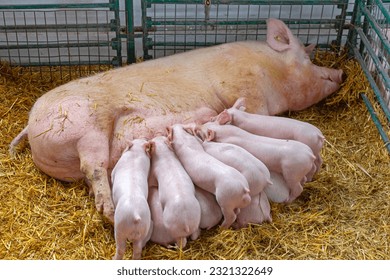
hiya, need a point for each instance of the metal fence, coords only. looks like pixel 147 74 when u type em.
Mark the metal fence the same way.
pixel 104 32
pixel 369 42
pixel 174 26
pixel 61 34
pixel 54 35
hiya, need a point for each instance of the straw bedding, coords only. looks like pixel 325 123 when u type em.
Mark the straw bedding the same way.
pixel 343 214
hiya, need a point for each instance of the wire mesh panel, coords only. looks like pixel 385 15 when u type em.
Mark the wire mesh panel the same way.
pixel 369 41
pixel 71 34
pixel 174 26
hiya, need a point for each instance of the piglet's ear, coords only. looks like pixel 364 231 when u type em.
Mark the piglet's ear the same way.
pixel 198 133
pixel 224 117
pixel 169 133
pixel 169 144
pixel 279 36
pixel 240 103
pixel 150 148
pixel 210 135
pixel 190 128
pixel 128 146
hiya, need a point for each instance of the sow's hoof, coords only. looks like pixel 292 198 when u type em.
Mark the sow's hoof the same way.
pixel 106 206
pixel 109 215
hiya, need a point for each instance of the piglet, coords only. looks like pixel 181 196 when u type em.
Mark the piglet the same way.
pixel 229 186
pixel 278 191
pixel 130 192
pixel 257 212
pixel 211 212
pixel 254 171
pixel 181 209
pixel 160 234
pixel 291 158
pixel 275 127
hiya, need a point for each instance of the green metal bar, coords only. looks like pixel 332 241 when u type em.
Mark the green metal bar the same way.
pixel 383 9
pixel 249 2
pixel 57 27
pixel 145 30
pixel 373 24
pixel 376 121
pixel 116 26
pixel 55 45
pixel 162 22
pixel 374 57
pixel 342 18
pixel 372 82
pixel 64 63
pixel 365 22
pixel 150 44
pixel 130 31
pixel 57 6
pixel 355 21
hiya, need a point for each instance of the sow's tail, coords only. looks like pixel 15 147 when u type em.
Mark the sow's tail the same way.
pixel 22 135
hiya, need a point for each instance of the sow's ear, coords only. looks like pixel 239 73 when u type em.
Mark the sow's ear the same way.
pixel 309 49
pixel 279 36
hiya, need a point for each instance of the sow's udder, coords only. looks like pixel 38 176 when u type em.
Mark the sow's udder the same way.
pixel 136 125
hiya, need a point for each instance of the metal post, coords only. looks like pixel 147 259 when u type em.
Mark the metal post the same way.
pixel 130 31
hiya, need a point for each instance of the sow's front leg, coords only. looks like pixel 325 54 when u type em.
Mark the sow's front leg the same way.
pixel 93 151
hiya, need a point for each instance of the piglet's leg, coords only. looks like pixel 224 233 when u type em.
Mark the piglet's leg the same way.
pixel 265 207
pixel 318 162
pixel 181 242
pixel 196 234
pixel 120 247
pixel 137 249
pixel 93 151
pixel 310 175
pixel 229 217
pixel 295 190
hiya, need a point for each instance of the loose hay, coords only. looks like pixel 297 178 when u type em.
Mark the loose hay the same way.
pixel 343 214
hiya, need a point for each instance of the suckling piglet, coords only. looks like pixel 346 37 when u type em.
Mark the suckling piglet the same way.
pixel 211 212
pixel 254 171
pixel 130 193
pixel 278 191
pixel 275 127
pixel 181 209
pixel 257 212
pixel 229 186
pixel 160 234
pixel 293 159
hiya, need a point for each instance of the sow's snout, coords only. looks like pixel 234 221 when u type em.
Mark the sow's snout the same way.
pixel 332 80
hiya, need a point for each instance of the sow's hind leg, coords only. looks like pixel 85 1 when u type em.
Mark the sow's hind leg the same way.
pixel 93 149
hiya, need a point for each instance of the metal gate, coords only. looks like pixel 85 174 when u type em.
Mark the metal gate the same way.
pixel 63 35
pixel 174 26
